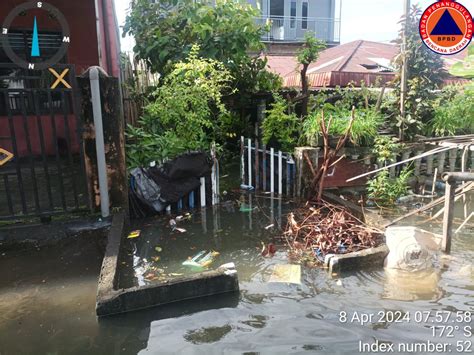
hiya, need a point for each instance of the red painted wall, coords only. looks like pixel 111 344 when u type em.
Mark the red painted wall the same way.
pixel 80 14
pixel 83 52
pixel 34 134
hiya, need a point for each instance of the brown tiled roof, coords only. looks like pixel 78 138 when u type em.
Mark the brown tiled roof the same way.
pixel 350 62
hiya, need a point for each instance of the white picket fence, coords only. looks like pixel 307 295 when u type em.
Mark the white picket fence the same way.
pixel 266 170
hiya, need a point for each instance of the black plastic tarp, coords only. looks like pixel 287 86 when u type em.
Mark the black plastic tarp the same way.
pixel 154 188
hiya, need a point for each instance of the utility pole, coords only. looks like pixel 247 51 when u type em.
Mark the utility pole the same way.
pixel 404 73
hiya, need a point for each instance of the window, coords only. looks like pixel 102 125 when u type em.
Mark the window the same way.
pixel 304 15
pixel 293 14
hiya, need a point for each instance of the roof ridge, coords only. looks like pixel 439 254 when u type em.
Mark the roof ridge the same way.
pixel 344 63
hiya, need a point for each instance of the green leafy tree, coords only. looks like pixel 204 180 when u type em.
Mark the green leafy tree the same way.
pixel 307 54
pixel 425 74
pixel 225 30
pixel 184 114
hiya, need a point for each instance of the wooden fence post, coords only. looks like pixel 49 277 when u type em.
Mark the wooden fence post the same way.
pixel 114 141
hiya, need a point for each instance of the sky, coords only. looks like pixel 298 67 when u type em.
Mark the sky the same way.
pixel 372 20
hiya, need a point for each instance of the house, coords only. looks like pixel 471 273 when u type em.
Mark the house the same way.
pixel 290 20
pixel 349 63
pixel 93 27
pixel 28 103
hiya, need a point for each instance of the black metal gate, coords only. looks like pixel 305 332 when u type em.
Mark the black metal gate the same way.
pixel 40 126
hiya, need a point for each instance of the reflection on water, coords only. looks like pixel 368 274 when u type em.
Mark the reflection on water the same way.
pixel 410 286
pixel 57 316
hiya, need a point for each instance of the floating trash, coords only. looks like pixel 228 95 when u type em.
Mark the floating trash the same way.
pixel 202 259
pixel 134 234
pixel 247 187
pixel 286 274
pixel 268 250
pixel 246 208
pixel 175 228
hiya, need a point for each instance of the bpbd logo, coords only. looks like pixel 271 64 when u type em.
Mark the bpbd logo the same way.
pixel 446 27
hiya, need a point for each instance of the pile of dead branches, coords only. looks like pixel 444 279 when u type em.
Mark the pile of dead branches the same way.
pixel 314 231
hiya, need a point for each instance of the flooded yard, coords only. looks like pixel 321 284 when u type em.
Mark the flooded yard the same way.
pixel 47 296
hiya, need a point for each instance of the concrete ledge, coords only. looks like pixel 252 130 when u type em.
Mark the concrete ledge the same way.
pixel 112 301
pixel 199 285
pixel 368 258
pixel 24 236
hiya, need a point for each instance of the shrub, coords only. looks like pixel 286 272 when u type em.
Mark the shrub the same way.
pixel 385 191
pixel 364 130
pixel 280 125
pixel 454 112
pixel 184 114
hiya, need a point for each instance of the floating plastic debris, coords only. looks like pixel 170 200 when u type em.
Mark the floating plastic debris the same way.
pixel 245 208
pixel 247 187
pixel 134 234
pixel 202 259
pixel 286 274
pixel 268 250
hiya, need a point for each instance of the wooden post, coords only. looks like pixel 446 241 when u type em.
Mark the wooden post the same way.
pixel 114 141
pixel 404 71
pixel 448 217
pixel 304 170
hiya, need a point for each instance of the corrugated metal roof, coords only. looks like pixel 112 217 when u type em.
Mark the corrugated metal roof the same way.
pixel 350 62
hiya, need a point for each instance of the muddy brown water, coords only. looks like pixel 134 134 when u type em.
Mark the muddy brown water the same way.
pixel 47 297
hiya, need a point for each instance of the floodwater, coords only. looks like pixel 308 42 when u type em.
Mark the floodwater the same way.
pixel 47 297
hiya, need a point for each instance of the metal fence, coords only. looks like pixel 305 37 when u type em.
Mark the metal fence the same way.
pixel 40 126
pixel 266 170
pixel 288 28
